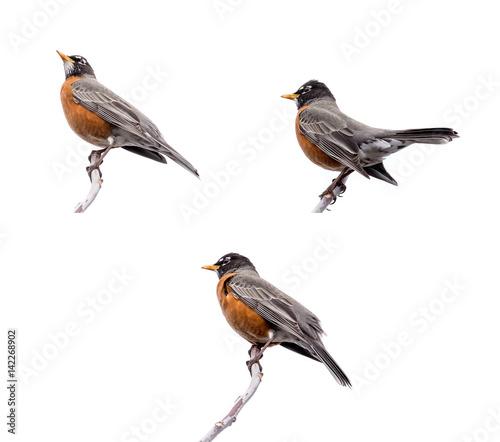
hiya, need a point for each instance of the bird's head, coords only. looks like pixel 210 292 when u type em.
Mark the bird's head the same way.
pixel 308 92
pixel 76 66
pixel 230 263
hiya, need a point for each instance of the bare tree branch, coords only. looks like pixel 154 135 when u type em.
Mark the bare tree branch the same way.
pixel 330 195
pixel 95 179
pixel 228 420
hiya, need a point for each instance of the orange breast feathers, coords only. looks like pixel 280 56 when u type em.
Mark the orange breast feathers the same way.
pixel 314 153
pixel 247 323
pixel 87 125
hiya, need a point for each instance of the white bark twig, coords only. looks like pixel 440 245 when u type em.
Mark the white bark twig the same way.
pixel 327 199
pixel 228 420
pixel 95 179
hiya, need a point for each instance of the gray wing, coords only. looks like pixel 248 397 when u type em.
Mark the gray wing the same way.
pixel 288 315
pixel 282 311
pixel 330 133
pixel 115 110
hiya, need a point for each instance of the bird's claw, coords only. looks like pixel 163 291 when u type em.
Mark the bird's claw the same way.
pixel 342 187
pixel 254 361
pixel 95 152
pixel 93 167
pixel 330 192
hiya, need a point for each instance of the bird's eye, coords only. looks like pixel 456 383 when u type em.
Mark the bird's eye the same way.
pixel 79 59
pixel 307 89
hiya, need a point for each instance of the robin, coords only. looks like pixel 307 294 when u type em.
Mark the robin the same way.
pixel 334 141
pixel 265 316
pixel 104 119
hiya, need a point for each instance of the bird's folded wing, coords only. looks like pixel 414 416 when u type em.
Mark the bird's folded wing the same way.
pixel 115 110
pixel 273 305
pixel 330 133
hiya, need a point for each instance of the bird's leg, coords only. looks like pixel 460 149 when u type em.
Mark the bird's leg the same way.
pixel 259 355
pixel 252 361
pixel 101 153
pixel 337 182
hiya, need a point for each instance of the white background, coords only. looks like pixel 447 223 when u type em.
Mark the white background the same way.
pixel 160 337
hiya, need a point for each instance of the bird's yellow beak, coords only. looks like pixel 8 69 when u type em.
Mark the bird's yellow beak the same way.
pixel 65 57
pixel 290 96
pixel 212 267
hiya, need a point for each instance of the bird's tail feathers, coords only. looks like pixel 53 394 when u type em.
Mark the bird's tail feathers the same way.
pixel 435 135
pixel 378 171
pixel 146 153
pixel 332 366
pixel 178 158
pixel 300 350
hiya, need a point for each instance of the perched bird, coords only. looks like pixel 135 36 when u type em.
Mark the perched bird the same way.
pixel 265 316
pixel 104 119
pixel 334 141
